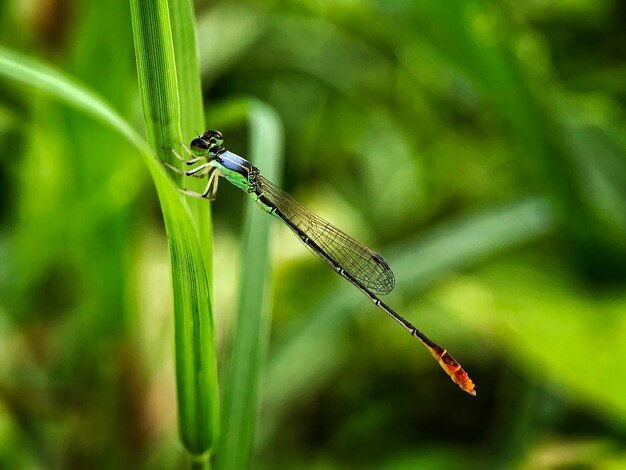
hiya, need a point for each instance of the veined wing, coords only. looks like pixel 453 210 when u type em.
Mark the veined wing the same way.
pixel 363 264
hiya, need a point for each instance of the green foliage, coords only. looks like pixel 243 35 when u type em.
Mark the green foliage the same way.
pixel 476 145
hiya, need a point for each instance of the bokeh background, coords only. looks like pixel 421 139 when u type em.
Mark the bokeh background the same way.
pixel 478 145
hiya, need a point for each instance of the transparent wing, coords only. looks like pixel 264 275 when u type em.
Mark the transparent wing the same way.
pixel 365 265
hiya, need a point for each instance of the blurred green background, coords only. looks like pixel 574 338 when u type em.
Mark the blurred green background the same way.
pixel 477 145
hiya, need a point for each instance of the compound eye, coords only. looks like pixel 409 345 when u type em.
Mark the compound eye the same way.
pixel 199 147
pixel 214 137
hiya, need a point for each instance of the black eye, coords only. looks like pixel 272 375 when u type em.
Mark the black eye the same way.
pixel 214 136
pixel 199 146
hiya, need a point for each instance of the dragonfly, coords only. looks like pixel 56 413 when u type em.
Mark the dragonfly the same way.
pixel 365 269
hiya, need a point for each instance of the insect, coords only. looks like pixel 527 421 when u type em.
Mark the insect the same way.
pixel 353 261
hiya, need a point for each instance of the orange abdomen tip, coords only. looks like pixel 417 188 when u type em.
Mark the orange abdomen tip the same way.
pixel 453 369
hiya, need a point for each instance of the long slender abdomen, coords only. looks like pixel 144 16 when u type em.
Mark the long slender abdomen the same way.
pixel 445 360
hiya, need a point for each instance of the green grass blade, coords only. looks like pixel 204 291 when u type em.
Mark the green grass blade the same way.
pixel 252 325
pixel 187 66
pixel 156 69
pixel 196 367
pixel 191 104
pixel 40 77
pixel 191 293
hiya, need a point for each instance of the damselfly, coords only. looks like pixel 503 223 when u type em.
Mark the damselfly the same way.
pixel 364 268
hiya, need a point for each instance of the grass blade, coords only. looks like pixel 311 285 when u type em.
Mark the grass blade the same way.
pixel 196 366
pixel 191 293
pixel 252 325
pixel 191 103
pixel 40 77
